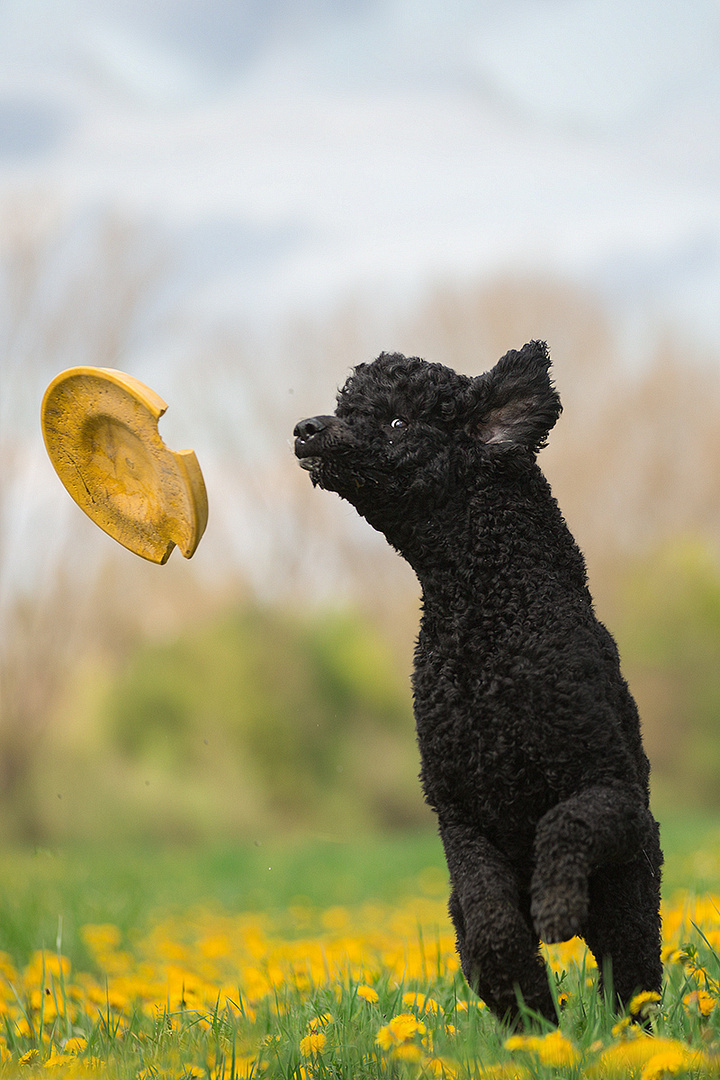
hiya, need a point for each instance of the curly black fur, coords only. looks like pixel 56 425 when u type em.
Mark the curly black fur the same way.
pixel 529 737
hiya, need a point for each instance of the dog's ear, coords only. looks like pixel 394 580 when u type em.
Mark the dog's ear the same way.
pixel 515 403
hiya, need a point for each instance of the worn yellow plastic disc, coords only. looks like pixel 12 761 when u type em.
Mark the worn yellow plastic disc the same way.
pixel 101 433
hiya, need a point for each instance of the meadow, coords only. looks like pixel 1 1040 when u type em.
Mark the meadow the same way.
pixel 310 958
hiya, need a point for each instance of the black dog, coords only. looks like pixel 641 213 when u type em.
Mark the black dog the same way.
pixel 529 737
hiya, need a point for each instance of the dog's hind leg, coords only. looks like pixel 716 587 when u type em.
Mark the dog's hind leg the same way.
pixel 623 924
pixel 498 948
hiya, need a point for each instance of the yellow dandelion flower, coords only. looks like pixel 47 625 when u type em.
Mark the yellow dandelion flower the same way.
pixel 75 1045
pixel 407 1052
pixel 255 984
pixel 631 1055
pixel 551 1049
pixel 46 1001
pixel 317 1022
pixel 101 938
pixel 404 1026
pixel 313 1044
pixel 557 1050
pixel 246 1067
pixel 506 1070
pixel 7 968
pixel 520 1042
pixel 441 1068
pixel 421 1002
pixel 642 1004
pixel 670 1063
pixel 47 964
pixel 384 1038
pixel 56 1060
pixel 703 976
pixel 672 955
pixel 699 1001
pixel 463 1007
pixel 431 1006
pixel 29 1057
pixel 368 994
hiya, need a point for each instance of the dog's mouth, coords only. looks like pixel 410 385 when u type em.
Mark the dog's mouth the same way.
pixel 308 463
pixel 307 452
pixel 308 458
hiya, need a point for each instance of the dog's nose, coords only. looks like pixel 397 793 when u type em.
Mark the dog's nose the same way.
pixel 306 429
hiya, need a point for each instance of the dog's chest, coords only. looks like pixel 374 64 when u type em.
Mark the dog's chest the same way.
pixel 483 747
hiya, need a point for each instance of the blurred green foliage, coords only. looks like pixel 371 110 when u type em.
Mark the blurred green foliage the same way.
pixel 309 717
pixel 262 722
pixel 668 630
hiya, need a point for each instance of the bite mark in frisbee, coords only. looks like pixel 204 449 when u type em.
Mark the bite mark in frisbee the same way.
pixel 100 428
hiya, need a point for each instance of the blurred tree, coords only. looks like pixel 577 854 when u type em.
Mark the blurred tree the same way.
pixel 634 462
pixel 70 293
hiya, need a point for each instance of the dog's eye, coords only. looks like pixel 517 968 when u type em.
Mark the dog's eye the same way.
pixel 398 423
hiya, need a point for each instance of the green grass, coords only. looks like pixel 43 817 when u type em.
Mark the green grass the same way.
pixel 691 842
pixel 126 885
pixel 47 897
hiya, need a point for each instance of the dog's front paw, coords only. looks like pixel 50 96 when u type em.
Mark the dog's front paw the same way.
pixel 559 914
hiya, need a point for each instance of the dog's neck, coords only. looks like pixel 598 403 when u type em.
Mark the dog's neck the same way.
pixel 475 545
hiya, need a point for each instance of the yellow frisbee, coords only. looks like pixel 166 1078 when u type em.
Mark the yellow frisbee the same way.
pixel 101 433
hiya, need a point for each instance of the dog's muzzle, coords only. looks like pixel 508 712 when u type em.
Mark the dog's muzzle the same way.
pixel 309 437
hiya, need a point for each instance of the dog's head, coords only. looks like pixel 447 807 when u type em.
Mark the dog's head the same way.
pixel 406 433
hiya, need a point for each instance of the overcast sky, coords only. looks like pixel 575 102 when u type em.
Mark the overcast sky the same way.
pixel 295 151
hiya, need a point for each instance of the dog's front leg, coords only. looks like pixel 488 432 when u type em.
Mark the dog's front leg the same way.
pixel 599 825
pixel 498 948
